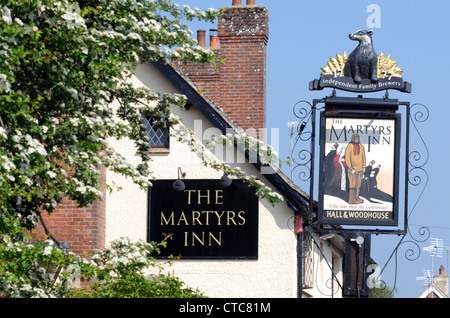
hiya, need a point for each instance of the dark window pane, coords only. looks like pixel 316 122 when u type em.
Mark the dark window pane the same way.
pixel 159 138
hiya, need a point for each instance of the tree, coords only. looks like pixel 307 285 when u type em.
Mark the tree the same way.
pixel 123 271
pixel 383 291
pixel 63 65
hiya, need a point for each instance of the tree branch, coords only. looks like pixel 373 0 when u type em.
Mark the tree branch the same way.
pixel 47 232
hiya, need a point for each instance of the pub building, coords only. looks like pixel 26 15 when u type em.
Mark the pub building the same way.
pixel 231 243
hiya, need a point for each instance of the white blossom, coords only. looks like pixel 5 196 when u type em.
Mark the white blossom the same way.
pixel 134 36
pixel 123 260
pixel 48 250
pixel 7 164
pixel 4 83
pixel 73 92
pixel 3 133
pixel 74 20
pixel 6 15
pixel 51 174
pixel 28 181
pixel 34 146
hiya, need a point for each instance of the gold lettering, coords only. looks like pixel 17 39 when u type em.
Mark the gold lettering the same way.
pixel 241 216
pixel 189 195
pixel 195 217
pixel 202 240
pixel 207 216
pixel 218 241
pixel 183 218
pixel 203 196
pixel 164 220
pixel 200 196
pixel 219 217
pixel 231 218
pixel 219 196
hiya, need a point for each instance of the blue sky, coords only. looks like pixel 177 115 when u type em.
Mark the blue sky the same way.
pixel 305 34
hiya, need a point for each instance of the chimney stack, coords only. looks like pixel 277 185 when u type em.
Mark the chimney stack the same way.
pixel 239 2
pixel 238 84
pixel 243 34
pixel 213 38
pixel 201 38
pixel 441 281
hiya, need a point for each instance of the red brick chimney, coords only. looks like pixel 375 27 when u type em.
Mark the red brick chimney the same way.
pixel 238 85
pixel 201 37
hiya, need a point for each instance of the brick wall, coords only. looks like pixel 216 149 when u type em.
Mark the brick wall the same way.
pixel 205 76
pixel 79 229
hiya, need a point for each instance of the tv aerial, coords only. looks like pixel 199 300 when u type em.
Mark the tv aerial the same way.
pixel 436 249
pixel 427 277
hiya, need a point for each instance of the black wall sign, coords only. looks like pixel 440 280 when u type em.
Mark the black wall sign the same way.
pixel 206 219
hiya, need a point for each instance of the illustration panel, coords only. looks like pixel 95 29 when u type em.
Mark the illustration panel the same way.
pixel 359 169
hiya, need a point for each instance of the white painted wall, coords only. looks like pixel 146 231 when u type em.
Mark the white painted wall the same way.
pixel 324 284
pixel 274 274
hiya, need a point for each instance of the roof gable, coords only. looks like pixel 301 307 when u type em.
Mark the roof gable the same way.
pixel 432 291
pixel 294 196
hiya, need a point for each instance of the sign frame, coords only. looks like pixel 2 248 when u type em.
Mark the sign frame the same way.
pixel 213 223
pixel 374 212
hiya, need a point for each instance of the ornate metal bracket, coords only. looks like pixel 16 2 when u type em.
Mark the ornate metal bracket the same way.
pixel 416 177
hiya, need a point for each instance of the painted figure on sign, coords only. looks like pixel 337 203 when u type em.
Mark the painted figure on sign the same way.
pixel 329 165
pixel 369 187
pixel 340 170
pixel 367 182
pixel 373 177
pixel 355 158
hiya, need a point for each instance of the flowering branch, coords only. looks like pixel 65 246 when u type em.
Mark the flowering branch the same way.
pixel 186 135
pixel 63 64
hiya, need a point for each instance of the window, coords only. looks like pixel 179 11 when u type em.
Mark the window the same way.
pixel 159 138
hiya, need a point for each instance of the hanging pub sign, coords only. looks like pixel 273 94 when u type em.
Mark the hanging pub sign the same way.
pixel 359 170
pixel 363 70
pixel 206 220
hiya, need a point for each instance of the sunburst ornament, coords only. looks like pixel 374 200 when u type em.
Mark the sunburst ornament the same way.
pixel 387 68
pixel 335 65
